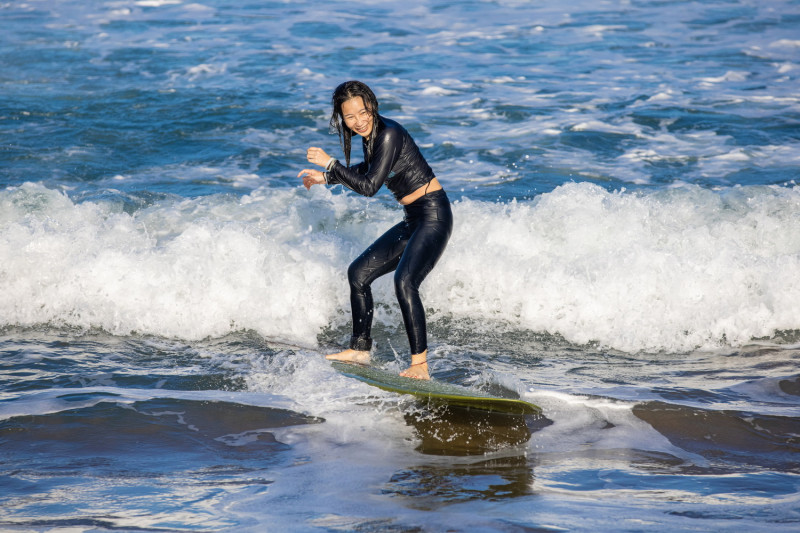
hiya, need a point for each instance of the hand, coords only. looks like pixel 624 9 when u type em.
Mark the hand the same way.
pixel 311 177
pixel 318 156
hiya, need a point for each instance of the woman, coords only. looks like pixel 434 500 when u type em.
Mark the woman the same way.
pixel 412 247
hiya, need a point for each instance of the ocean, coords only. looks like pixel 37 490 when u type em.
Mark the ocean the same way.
pixel 626 255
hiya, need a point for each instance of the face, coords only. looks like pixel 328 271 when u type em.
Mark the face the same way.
pixel 357 117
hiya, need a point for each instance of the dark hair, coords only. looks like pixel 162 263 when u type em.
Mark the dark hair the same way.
pixel 343 93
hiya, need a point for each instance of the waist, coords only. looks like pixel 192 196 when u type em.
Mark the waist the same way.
pixel 428 188
pixel 433 206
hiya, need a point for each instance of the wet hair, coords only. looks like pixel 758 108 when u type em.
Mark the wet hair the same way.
pixel 343 93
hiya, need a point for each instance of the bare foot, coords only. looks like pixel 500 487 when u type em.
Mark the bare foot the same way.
pixel 350 356
pixel 418 368
pixel 417 371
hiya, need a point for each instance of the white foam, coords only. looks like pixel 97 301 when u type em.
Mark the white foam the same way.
pixel 198 8
pixel 598 30
pixel 786 43
pixel 661 97
pixel 437 91
pixel 675 270
pixel 596 125
pixel 671 271
pixel 206 69
pixel 187 269
pixel 157 3
pixel 731 75
pixel 581 423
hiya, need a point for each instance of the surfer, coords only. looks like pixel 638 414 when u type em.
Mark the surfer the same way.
pixel 413 246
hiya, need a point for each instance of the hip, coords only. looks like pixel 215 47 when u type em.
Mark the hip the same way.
pixel 433 207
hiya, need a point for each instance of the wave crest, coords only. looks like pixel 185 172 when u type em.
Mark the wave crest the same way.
pixel 671 270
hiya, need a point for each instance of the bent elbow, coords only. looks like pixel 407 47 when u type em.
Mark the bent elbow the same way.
pixel 370 190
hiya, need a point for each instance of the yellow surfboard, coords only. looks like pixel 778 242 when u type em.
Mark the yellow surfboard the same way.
pixel 436 391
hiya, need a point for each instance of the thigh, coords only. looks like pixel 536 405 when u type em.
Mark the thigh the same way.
pixel 424 248
pixel 382 256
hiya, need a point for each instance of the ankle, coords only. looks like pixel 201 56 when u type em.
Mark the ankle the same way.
pixel 419 359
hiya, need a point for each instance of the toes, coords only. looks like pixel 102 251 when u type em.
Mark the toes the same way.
pixel 407 374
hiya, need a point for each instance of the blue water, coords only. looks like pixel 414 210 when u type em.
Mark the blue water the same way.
pixel 626 255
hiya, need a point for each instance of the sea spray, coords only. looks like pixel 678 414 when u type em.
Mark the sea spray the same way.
pixel 669 270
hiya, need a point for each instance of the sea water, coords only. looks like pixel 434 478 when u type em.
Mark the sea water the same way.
pixel 626 255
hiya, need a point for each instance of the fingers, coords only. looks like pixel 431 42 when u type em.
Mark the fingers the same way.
pixel 317 156
pixel 310 177
pixel 312 153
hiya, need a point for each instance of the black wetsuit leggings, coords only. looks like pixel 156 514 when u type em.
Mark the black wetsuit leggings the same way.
pixel 410 249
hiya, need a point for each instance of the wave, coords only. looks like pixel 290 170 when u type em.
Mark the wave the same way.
pixel 669 270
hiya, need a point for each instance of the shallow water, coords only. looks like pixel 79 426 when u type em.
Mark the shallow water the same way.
pixel 105 432
pixel 626 256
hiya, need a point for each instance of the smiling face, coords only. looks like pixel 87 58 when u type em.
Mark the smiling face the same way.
pixel 357 117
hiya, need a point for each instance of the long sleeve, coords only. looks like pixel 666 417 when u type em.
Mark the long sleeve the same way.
pixel 367 179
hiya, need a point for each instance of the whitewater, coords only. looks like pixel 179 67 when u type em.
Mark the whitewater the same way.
pixel 672 270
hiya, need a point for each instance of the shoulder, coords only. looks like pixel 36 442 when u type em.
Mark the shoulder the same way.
pixel 390 131
pixel 389 126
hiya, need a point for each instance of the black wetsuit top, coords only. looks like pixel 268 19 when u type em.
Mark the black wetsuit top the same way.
pixel 396 161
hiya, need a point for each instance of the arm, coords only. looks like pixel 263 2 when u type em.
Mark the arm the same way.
pixel 365 178
pixel 318 156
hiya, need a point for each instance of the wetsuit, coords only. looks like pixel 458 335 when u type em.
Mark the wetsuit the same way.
pixel 412 247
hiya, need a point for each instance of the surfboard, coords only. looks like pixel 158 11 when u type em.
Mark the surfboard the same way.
pixel 435 391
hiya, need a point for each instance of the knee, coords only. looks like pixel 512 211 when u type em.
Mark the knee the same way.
pixel 404 286
pixel 355 275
